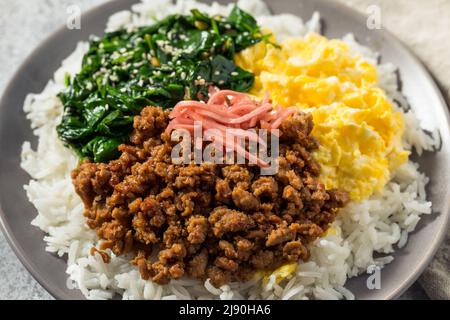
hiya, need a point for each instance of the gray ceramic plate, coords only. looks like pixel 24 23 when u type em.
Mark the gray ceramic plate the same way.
pixel 418 86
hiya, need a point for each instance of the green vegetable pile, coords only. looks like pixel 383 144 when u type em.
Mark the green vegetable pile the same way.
pixel 177 58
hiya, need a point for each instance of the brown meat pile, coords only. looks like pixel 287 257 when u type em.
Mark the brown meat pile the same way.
pixel 221 222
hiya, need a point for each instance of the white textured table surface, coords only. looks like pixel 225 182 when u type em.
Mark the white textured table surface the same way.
pixel 24 23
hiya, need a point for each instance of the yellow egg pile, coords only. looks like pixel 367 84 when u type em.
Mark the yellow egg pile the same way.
pixel 358 130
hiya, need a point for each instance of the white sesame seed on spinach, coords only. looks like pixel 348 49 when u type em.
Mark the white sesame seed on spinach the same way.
pixel 177 58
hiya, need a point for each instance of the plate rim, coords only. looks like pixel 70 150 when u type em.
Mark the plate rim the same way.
pixel 435 86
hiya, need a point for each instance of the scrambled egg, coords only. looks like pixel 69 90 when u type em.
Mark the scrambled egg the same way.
pixel 280 273
pixel 357 128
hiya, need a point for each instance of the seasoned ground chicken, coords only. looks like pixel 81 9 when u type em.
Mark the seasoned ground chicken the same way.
pixel 221 222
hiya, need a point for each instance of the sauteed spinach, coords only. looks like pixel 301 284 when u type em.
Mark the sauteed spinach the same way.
pixel 177 58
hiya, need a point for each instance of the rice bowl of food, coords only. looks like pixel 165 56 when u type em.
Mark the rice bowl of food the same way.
pixel 349 188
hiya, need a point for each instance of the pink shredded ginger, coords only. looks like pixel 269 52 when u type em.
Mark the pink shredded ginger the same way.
pixel 230 113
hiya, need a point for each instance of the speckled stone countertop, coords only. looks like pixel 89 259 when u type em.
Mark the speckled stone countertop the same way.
pixel 34 21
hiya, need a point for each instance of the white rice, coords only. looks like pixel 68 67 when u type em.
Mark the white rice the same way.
pixel 373 227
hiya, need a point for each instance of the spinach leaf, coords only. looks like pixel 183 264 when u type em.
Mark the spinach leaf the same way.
pixel 177 58
pixel 243 21
pixel 102 148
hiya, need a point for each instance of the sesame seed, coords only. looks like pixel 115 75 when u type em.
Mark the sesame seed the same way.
pixel 200 82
